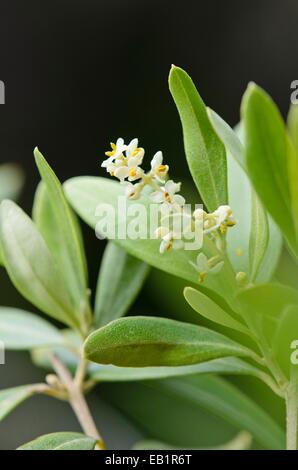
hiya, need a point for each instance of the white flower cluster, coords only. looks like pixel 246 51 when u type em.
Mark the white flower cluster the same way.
pixel 124 162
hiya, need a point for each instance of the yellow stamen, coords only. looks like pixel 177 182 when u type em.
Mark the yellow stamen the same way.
pixel 132 172
pixel 135 152
pixel 162 168
pixel 230 223
pixel 202 277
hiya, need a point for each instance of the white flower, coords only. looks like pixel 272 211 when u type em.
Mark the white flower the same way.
pixel 132 191
pixel 117 149
pixel 224 218
pixel 133 150
pixel 111 164
pixel 129 169
pixel 169 240
pixel 167 197
pixel 158 169
pixel 204 266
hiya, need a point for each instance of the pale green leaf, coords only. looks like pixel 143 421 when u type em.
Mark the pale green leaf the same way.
pixel 59 228
pixel 174 411
pixel 61 441
pixel 10 398
pixel 259 236
pixel 205 152
pixel 241 197
pixel 240 442
pixel 206 307
pixel 121 277
pixel 31 266
pixel 20 330
pixel 267 150
pixel 86 194
pixel 286 333
pixel 223 366
pixel 151 341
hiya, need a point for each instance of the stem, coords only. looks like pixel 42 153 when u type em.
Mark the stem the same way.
pixel 77 401
pixel 292 413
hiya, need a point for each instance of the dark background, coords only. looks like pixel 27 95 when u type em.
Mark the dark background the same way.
pixel 81 73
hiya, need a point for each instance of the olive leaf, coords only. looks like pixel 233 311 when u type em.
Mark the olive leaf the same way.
pixel 10 398
pixel 205 152
pixel 285 334
pixel 247 252
pixel 206 307
pixel 267 154
pixel 31 266
pixel 61 441
pixel 20 330
pixel 151 341
pixel 60 229
pixel 121 277
pixel 90 195
pixel 176 411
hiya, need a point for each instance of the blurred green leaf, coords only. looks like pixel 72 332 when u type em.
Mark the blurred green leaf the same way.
pixel 86 194
pixel 121 278
pixel 61 441
pixel 205 152
pixel 267 150
pixel 174 411
pixel 20 330
pixel 151 341
pixel 240 442
pixel 30 265
pixel 286 332
pixel 59 228
pixel 11 181
pixel 245 206
pixel 206 307
pixel 10 398
pixel 293 125
pixel 259 236
pixel 226 366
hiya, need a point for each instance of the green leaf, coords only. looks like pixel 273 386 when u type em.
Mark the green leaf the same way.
pixel 11 181
pixel 151 341
pixel 121 277
pixel 259 236
pixel 263 306
pixel 12 397
pixel 61 441
pixel 267 150
pixel 293 125
pixel 246 206
pixel 86 194
pixel 226 366
pixel 57 223
pixel 175 411
pixel 286 332
pixel 20 330
pixel 30 265
pixel 240 442
pixel 205 152
pixel 209 309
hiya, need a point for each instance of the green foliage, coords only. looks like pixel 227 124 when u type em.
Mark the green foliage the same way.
pixel 61 441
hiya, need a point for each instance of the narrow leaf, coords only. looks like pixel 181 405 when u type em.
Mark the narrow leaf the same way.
pixel 204 151
pixel 61 441
pixel 267 147
pixel 286 333
pixel 20 330
pixel 259 236
pixel 89 194
pixel 57 223
pixel 120 279
pixel 30 264
pixel 176 411
pixel 209 309
pixel 12 397
pixel 150 341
